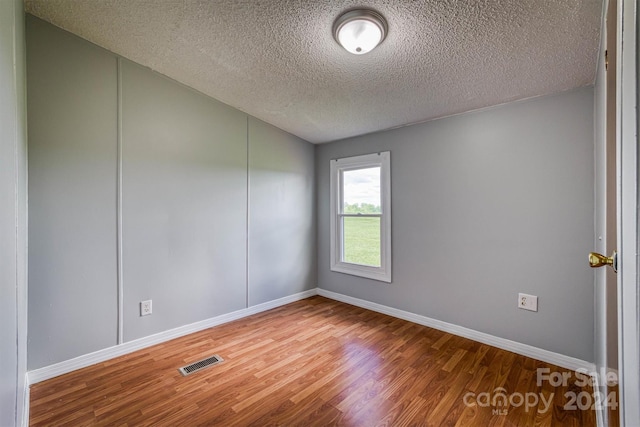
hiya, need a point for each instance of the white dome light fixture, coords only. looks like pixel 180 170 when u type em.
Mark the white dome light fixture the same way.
pixel 360 31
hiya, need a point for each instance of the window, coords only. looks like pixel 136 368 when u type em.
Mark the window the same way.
pixel 361 216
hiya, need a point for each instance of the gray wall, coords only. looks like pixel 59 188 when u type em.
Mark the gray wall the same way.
pixel 184 159
pixel 486 205
pixel 13 214
pixel 281 215
pixel 72 190
pixel 186 162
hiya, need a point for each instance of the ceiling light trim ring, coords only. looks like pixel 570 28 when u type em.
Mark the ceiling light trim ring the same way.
pixel 360 15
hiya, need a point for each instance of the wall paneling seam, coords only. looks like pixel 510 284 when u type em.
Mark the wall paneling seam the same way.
pixel 120 278
pixel 16 202
pixel 246 260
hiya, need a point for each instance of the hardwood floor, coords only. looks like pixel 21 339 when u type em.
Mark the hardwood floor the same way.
pixel 316 362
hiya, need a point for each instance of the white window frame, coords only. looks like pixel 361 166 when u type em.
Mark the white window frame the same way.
pixel 338 166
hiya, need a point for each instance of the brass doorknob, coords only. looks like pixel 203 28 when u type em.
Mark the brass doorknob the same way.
pixel 597 260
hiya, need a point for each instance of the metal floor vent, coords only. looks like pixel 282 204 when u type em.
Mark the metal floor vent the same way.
pixel 201 364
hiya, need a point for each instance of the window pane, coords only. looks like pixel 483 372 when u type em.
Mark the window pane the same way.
pixel 361 240
pixel 361 191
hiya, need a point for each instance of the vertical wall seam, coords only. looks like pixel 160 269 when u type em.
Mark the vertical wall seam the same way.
pixel 16 206
pixel 120 283
pixel 247 220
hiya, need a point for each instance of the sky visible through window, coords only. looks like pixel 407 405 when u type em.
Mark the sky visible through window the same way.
pixel 362 187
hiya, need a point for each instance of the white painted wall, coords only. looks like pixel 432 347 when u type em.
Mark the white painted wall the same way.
pixel 486 205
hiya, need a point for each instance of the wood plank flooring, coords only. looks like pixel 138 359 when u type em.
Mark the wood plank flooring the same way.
pixel 315 362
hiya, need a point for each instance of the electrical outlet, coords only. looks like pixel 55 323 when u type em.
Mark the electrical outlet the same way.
pixel 528 302
pixel 145 308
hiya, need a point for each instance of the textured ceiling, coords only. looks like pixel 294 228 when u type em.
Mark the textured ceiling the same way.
pixel 277 59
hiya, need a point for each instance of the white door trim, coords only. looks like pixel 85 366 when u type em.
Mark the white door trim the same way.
pixel 627 169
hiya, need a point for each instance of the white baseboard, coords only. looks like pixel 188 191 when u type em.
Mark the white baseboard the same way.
pixel 67 366
pixel 99 356
pixel 599 413
pixel 505 344
pixel 600 380
pixel 25 402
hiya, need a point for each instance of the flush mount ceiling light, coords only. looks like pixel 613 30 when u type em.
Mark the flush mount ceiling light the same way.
pixel 360 31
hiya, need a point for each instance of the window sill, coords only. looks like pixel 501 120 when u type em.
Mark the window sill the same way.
pixel 375 273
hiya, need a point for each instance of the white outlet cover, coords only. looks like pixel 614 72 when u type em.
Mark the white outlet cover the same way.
pixel 145 308
pixel 528 302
